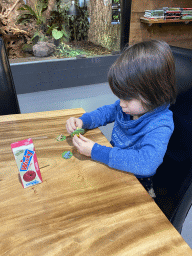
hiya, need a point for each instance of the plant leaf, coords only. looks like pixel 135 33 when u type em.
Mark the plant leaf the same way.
pixel 28 8
pixel 57 34
pixel 36 34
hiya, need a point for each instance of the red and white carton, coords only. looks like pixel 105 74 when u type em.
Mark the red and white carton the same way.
pixel 26 159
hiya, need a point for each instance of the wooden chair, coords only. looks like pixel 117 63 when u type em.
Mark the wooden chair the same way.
pixel 8 97
pixel 173 179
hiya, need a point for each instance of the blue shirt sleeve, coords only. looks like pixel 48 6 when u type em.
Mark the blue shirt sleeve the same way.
pixel 142 161
pixel 100 153
pixel 100 117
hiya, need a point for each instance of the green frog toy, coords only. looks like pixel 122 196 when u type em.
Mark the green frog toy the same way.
pixel 77 132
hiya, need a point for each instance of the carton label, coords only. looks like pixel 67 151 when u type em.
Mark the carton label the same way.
pixel 26 160
pixel 27 164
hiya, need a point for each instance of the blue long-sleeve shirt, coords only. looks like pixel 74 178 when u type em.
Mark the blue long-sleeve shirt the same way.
pixel 138 145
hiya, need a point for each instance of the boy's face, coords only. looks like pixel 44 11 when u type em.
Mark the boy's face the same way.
pixel 132 107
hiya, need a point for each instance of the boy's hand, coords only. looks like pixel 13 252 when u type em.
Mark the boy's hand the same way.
pixel 73 123
pixel 83 145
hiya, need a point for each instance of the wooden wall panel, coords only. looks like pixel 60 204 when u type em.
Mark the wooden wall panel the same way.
pixel 176 34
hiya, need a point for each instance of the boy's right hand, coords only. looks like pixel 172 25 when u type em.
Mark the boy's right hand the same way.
pixel 73 123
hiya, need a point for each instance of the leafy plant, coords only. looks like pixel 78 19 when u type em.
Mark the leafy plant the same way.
pixel 39 35
pixel 57 34
pixel 55 28
pixel 51 28
pixel 59 16
pixel 36 13
pixel 64 50
pixel 79 25
pixel 58 24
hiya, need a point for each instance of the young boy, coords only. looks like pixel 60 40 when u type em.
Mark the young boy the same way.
pixel 143 78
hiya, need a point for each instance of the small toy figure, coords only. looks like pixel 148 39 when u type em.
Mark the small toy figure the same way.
pixel 77 132
pixel 67 155
pixel 61 137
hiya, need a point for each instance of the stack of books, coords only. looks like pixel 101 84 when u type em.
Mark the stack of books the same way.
pixel 171 13
pixel 186 13
pixel 154 14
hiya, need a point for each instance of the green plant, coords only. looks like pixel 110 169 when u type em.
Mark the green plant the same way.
pixel 107 40
pixel 58 23
pixel 79 25
pixel 64 50
pixel 57 34
pixel 59 16
pixel 39 35
pixel 27 48
pixel 55 28
pixel 51 28
pixel 36 13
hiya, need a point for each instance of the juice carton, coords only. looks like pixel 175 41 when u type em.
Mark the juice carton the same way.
pixel 26 159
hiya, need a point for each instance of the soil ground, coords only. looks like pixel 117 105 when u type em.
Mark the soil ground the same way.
pixel 78 48
pixel 90 47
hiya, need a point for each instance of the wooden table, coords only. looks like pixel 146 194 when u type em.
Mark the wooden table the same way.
pixel 82 207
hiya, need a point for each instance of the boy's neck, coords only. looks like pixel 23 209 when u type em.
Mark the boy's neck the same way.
pixel 135 117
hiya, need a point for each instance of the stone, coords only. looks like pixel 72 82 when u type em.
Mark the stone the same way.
pixel 43 49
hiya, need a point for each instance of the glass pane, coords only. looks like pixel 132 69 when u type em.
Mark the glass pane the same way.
pixel 81 28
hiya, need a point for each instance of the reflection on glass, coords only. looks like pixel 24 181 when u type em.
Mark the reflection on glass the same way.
pixel 83 3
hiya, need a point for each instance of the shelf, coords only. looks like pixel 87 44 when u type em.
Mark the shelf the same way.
pixel 150 22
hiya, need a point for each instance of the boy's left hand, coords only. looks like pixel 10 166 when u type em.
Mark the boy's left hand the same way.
pixel 83 145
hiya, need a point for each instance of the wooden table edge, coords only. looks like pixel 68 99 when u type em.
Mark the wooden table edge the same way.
pixel 36 115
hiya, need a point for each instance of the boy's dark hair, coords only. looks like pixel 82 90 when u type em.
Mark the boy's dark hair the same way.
pixel 145 71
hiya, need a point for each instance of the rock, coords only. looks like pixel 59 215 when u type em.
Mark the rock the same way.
pixel 43 49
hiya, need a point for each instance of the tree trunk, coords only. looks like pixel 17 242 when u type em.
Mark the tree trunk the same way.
pixel 101 31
